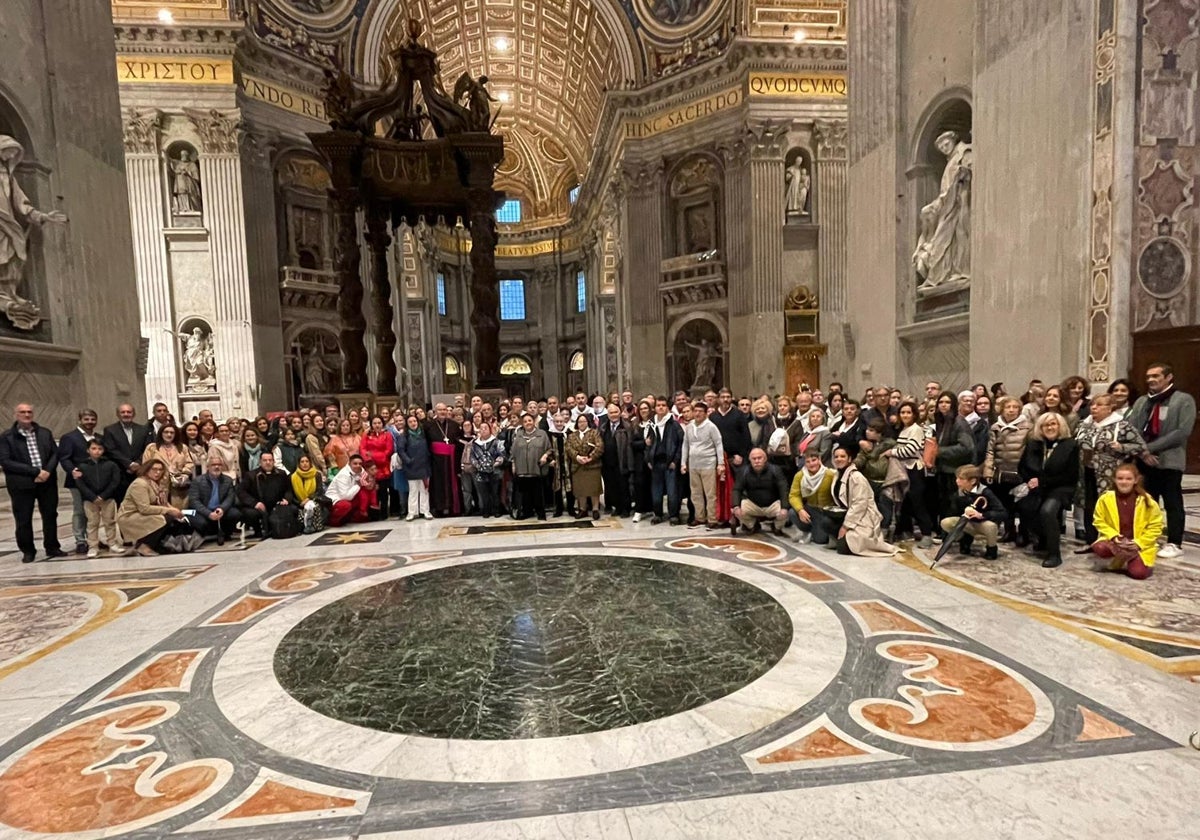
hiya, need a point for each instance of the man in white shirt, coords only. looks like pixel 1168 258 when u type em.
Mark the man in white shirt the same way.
pixel 703 461
pixel 346 491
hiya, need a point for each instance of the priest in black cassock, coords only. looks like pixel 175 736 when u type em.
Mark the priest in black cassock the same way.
pixel 443 435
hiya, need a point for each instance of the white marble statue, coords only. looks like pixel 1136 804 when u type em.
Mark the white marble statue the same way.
pixel 16 216
pixel 798 182
pixel 943 253
pixel 706 363
pixel 317 372
pixel 185 184
pixel 199 362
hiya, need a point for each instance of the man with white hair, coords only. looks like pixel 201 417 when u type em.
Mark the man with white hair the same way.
pixel 29 458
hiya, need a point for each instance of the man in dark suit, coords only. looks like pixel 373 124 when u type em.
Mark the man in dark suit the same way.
pixel 124 443
pixel 73 451
pixel 29 458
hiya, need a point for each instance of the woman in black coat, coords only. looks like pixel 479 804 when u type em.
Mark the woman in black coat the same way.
pixel 1050 468
pixel 956 448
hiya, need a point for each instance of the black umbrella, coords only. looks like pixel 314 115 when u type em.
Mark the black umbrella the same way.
pixel 956 532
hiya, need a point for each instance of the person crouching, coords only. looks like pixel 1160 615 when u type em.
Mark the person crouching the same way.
pixel 983 509
pixel 1129 523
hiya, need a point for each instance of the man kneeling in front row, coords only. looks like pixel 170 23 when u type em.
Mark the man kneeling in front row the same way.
pixel 983 509
pixel 212 500
pixel 760 492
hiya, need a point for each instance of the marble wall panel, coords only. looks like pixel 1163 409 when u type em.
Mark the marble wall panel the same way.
pixel 1031 213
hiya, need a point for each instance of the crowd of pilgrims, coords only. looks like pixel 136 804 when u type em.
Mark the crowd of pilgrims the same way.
pixel 856 475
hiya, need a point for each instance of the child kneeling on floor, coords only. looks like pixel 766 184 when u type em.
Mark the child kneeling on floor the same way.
pixel 983 509
pixel 1129 523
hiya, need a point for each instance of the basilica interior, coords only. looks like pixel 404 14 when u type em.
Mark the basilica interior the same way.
pixel 686 195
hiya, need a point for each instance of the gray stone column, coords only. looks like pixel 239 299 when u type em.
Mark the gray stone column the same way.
pixel 739 201
pixel 832 200
pixel 225 220
pixel 768 145
pixel 144 176
pixel 643 221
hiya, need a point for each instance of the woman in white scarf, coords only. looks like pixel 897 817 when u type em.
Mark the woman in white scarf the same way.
pixel 860 533
pixel 817 437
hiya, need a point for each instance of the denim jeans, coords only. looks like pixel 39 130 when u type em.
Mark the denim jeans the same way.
pixel 79 523
pixel 820 524
pixel 664 482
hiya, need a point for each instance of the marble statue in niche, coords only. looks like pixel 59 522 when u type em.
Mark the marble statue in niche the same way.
pixel 798 184
pixel 318 372
pixel 943 253
pixel 17 216
pixel 185 183
pixel 199 361
pixel 705 365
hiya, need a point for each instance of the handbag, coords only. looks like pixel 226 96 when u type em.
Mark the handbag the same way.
pixel 929 452
pixel 468 467
pixel 283 523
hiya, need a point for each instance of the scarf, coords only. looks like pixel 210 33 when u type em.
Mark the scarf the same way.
pixel 304 483
pixel 1153 426
pixel 810 437
pixel 810 483
pixel 253 456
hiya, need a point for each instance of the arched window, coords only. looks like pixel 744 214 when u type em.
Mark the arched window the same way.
pixel 515 366
pixel 452 367
pixel 576 361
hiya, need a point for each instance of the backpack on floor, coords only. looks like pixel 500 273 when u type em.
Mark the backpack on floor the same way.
pixel 284 522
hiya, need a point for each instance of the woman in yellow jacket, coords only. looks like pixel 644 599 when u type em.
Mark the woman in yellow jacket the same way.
pixel 1129 523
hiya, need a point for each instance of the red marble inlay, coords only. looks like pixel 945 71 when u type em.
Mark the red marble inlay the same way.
pixel 275 798
pixel 818 744
pixel 1097 728
pixel 166 671
pixel 309 577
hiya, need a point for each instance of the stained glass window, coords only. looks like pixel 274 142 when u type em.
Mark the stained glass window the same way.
pixel 509 212
pixel 441 293
pixel 581 292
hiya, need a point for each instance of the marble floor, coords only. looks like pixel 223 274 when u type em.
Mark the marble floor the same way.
pixel 483 680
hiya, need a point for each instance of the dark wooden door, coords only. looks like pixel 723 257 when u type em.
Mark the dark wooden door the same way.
pixel 1179 348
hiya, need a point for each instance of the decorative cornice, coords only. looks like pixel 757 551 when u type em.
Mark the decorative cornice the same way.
pixel 218 130
pixel 196 39
pixel 142 130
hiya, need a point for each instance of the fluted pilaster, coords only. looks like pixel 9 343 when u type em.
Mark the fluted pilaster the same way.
pixel 144 176
pixel 645 214
pixel 832 195
pixel 738 205
pixel 768 145
pixel 224 217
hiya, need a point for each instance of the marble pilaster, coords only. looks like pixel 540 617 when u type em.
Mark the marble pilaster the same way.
pixel 224 218
pixel 549 285
pixel 643 221
pixel 739 201
pixel 768 145
pixel 832 200
pixel 144 176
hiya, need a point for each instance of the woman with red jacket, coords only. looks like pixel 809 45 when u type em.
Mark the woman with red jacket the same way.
pixel 377 446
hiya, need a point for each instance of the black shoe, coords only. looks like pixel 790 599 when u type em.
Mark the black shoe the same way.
pixel 220 537
pixel 991 553
pixel 81 548
pixel 1020 541
pixel 56 553
pixel 656 520
pixel 541 517
pixel 1052 562
pixel 674 520
pixel 596 515
pixel 964 546
pixel 28 557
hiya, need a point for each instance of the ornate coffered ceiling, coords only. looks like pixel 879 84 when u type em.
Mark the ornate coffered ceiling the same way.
pixel 550 62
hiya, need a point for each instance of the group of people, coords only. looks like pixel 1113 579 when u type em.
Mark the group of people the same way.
pixel 840 471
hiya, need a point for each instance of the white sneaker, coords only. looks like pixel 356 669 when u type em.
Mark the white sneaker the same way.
pixel 637 517
pixel 93 553
pixel 803 537
pixel 429 516
pixel 410 517
pixel 1170 551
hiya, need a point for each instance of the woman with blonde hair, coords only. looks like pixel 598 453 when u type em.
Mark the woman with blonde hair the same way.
pixel 1050 469
pixel 149 519
pixel 1128 523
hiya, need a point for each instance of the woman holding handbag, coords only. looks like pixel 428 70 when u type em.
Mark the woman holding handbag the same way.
pixel 168 447
pixel 1006 444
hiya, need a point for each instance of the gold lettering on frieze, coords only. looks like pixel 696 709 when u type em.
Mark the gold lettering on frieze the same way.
pixel 283 97
pixel 150 69
pixel 637 128
pixel 797 84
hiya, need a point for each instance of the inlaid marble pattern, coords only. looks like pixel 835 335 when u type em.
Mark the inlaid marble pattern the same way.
pixel 1155 621
pixel 197 733
pixel 41 613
